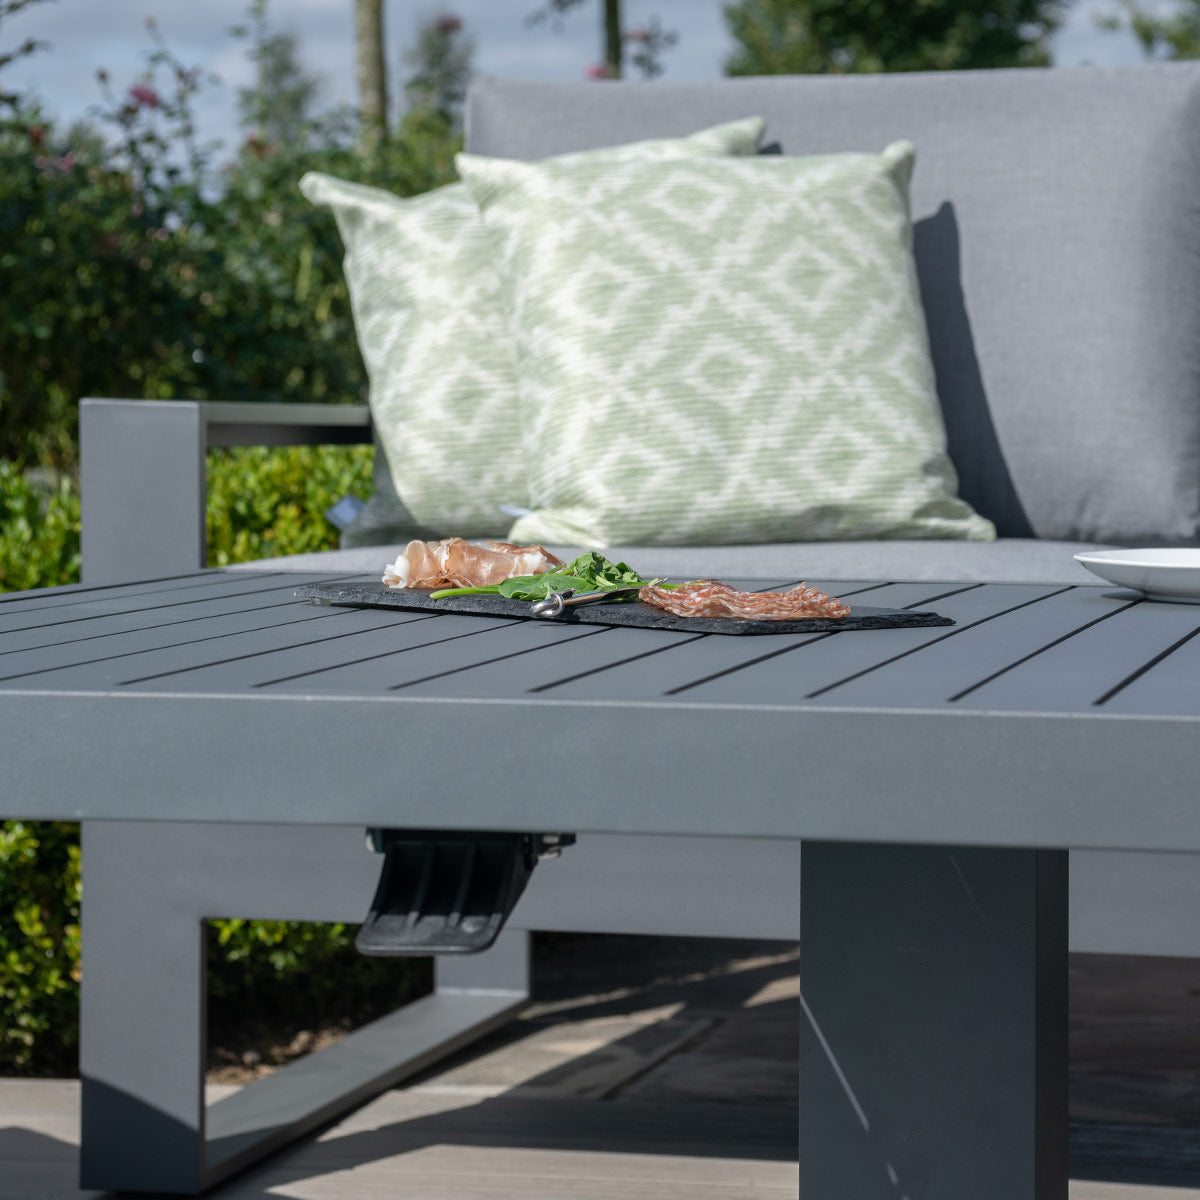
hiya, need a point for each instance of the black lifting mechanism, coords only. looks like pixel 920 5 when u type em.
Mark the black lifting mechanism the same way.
pixel 448 892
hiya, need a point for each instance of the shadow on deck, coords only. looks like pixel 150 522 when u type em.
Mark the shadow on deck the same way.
pixel 676 1083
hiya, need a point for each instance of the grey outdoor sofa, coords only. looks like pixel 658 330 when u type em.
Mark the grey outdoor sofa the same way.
pixel 1056 235
pixel 1056 232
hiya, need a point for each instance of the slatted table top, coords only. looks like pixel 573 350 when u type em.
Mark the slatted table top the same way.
pixel 1048 715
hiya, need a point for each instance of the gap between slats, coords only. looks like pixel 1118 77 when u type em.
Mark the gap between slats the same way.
pixel 820 637
pixel 1134 676
pixel 592 632
pixel 1058 641
pixel 130 593
pixel 192 641
pixel 67 593
pixel 138 608
pixel 141 628
pixel 353 662
pixel 122 626
pixel 955 632
pixel 413 618
pixel 631 658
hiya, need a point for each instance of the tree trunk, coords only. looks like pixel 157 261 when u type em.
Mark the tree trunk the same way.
pixel 372 71
pixel 613 42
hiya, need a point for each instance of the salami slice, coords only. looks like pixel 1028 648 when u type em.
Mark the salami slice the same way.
pixel 709 598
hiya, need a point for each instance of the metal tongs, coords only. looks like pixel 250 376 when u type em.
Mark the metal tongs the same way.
pixel 556 602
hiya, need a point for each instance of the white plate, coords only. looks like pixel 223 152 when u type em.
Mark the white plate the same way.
pixel 1163 574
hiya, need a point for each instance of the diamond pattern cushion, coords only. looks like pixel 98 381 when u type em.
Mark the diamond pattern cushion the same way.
pixel 425 297
pixel 720 351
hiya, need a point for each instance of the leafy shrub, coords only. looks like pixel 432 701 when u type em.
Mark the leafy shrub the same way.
pixel 39 947
pixel 39 529
pixel 264 502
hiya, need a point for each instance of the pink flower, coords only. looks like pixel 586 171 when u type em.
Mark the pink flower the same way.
pixel 448 25
pixel 637 34
pixel 144 94
pixel 599 71
pixel 50 167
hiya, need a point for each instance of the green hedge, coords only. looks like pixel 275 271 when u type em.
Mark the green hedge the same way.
pixel 39 528
pixel 261 502
pixel 264 502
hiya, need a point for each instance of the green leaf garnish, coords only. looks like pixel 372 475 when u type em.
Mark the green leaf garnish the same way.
pixel 590 572
pixel 484 590
pixel 538 587
pixel 600 574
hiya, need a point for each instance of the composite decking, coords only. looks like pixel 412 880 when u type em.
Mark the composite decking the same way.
pixel 655 1071
pixel 412 1147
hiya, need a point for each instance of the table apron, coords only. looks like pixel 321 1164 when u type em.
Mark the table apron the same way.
pixel 932 777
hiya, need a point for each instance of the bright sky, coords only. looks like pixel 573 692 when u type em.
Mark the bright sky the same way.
pixel 88 34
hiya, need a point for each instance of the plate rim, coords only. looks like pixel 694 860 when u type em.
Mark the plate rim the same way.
pixel 1120 558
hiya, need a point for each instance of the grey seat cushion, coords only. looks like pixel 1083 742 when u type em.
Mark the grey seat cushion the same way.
pixel 1057 239
pixel 1009 560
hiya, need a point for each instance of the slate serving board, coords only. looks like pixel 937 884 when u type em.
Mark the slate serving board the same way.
pixel 376 595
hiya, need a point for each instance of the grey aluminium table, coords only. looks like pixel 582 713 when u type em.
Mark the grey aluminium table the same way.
pixel 927 783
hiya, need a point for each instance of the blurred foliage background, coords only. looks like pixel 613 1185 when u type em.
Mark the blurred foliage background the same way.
pixel 146 268
pixel 775 37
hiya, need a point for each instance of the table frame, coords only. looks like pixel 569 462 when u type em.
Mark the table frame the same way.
pixel 933 837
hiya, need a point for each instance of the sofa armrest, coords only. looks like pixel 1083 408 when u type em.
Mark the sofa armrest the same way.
pixel 142 480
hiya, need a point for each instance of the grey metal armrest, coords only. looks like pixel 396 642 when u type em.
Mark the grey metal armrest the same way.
pixel 142 473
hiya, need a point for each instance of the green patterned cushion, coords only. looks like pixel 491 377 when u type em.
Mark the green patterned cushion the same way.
pixel 720 351
pixel 425 296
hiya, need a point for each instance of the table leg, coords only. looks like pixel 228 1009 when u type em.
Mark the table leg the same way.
pixel 149 887
pixel 934 1023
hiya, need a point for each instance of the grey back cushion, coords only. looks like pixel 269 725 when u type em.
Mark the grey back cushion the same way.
pixel 1057 234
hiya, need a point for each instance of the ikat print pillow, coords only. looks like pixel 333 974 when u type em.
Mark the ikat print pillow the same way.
pixel 425 297
pixel 720 351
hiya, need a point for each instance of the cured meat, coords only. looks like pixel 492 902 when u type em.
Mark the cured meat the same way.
pixel 708 598
pixel 454 562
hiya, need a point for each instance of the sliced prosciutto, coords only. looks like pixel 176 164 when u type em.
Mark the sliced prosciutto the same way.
pixel 708 598
pixel 454 562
